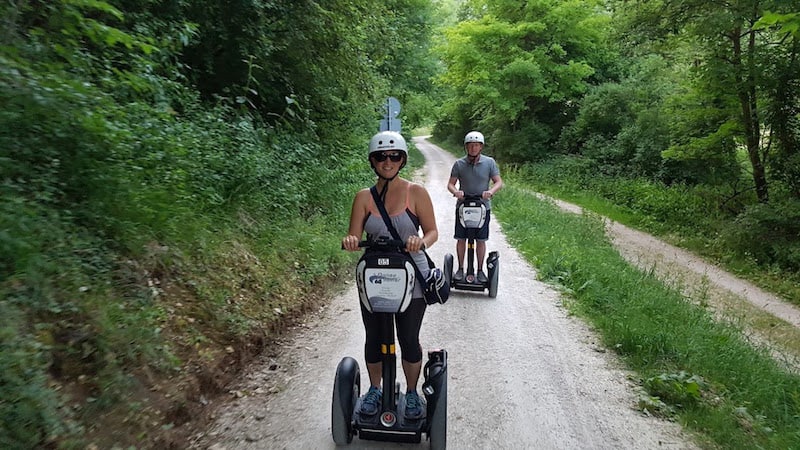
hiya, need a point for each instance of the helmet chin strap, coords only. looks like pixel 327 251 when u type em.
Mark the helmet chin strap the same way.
pixel 385 185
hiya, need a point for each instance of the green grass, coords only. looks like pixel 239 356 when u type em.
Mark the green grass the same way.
pixel 687 217
pixel 422 131
pixel 455 150
pixel 700 372
pixel 415 160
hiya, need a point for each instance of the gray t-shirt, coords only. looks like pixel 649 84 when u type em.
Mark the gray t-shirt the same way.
pixel 475 178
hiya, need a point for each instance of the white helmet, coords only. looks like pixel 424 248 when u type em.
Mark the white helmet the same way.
pixel 387 140
pixel 473 136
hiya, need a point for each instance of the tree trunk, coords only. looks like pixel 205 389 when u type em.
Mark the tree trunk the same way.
pixel 746 91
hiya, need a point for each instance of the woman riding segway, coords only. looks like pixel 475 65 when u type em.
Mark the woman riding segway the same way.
pixel 409 206
pixel 391 214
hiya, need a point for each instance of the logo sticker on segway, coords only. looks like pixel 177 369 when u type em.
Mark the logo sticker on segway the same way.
pixel 388 419
pixel 472 216
pixel 379 277
pixel 386 287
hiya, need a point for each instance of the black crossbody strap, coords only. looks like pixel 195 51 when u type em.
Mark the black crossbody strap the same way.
pixel 395 234
pixel 384 214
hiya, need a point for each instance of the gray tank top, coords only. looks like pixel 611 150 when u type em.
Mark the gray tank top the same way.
pixel 407 224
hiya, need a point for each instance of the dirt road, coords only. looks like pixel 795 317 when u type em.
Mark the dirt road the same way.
pixel 671 262
pixel 522 373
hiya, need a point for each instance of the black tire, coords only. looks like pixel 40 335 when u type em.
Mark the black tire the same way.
pixel 346 389
pixel 447 268
pixel 438 423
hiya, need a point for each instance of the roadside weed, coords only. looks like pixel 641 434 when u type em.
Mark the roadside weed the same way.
pixel 701 371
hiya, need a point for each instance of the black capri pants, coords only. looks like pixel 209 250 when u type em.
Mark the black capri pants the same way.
pixel 407 324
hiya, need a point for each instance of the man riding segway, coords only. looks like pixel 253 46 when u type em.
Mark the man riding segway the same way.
pixel 470 176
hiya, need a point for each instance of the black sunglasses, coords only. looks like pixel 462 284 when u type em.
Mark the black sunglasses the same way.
pixel 381 157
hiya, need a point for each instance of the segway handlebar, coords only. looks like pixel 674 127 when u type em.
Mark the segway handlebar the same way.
pixel 384 243
pixel 389 244
pixel 473 196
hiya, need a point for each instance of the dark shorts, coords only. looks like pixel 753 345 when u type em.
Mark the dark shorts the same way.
pixel 481 234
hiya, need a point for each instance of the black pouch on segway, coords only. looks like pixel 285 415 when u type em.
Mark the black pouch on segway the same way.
pixel 385 281
pixel 435 373
pixel 436 289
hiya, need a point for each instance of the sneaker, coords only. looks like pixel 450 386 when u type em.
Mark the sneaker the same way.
pixel 415 408
pixel 459 275
pixel 482 277
pixel 371 402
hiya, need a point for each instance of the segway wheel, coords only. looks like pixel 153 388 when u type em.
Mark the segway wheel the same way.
pixel 447 268
pixel 438 423
pixel 346 389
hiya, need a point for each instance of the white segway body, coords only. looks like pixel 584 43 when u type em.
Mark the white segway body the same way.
pixel 385 281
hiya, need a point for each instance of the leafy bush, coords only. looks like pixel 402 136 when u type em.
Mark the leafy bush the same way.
pixel 119 176
pixel 768 233
pixel 677 207
pixel 679 389
pixel 31 412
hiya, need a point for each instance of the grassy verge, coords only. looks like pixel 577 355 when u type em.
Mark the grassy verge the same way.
pixel 126 343
pixel 688 218
pixel 139 352
pixel 699 371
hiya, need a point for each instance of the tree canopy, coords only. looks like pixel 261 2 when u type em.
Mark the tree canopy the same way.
pixel 515 71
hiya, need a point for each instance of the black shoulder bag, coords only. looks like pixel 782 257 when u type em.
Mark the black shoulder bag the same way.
pixel 435 287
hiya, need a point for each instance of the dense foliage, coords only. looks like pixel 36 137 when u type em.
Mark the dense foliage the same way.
pixel 515 71
pixel 167 149
pixel 699 97
pixel 160 159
